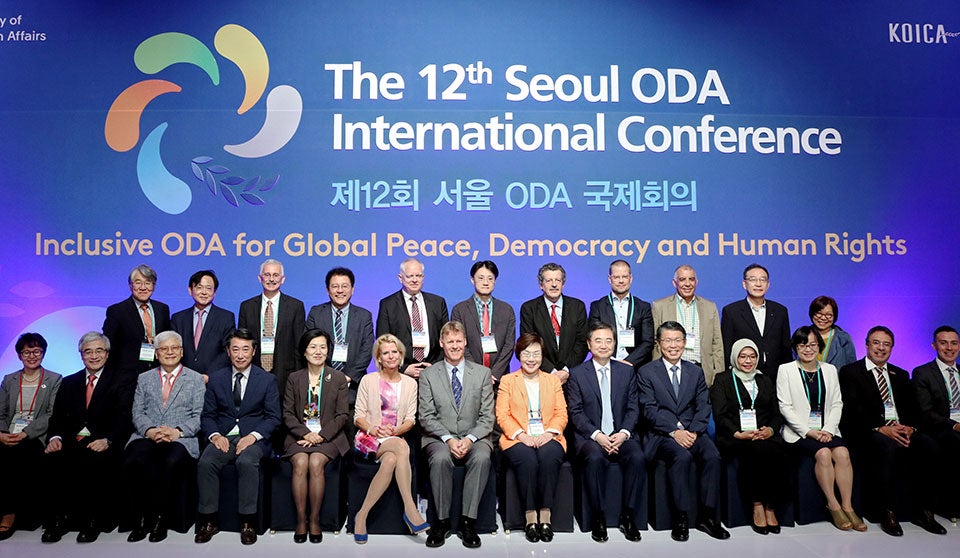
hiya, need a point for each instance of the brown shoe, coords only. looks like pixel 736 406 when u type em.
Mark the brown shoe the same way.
pixel 840 520
pixel 205 532
pixel 248 535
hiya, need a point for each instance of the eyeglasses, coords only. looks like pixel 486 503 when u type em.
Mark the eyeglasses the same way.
pixel 878 343
pixel 813 345
pixel 756 280
pixel 672 341
pixel 531 354
pixel 169 350
pixel 822 316
pixel 140 283
pixel 90 352
pixel 747 357
pixel 271 275
pixel 31 353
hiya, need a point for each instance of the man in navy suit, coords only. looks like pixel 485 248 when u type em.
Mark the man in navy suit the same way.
pixel 415 317
pixel 630 315
pixel 131 325
pixel 241 409
pixel 276 338
pixel 604 410
pixel 561 321
pixel 204 326
pixel 673 398
pixel 490 323
pixel 350 326
pixel 763 321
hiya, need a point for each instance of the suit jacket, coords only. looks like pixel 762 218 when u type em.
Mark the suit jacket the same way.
pixel 862 405
pixel 513 407
pixel 572 350
pixel 123 325
pixel 334 408
pixel 211 353
pixel 726 407
pixel 662 410
pixel 711 341
pixel 182 410
pixel 586 409
pixel 503 327
pixel 392 317
pixel 737 322
pixel 439 415
pixel 368 400
pixel 795 407
pixel 42 407
pixel 290 326
pixel 359 336
pixel 933 399
pixel 259 410
pixel 642 326
pixel 108 415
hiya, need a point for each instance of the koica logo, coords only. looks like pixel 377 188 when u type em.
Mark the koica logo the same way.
pixel 919 33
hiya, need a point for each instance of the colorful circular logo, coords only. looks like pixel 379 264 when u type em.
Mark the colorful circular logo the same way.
pixel 238 45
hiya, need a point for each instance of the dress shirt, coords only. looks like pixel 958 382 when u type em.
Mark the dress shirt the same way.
pixel 759 314
pixel 688 318
pixel 872 369
pixel 946 378
pixel 263 311
pixel 621 311
pixel 421 306
pixel 559 311
pixel 596 369
pixel 459 367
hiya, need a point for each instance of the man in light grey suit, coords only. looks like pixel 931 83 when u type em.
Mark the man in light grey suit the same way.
pixel 166 419
pixel 456 414
pixel 490 324
pixel 700 319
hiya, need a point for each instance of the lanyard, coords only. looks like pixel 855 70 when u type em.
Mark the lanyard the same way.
pixel 803 378
pixel 37 391
pixel 479 304
pixel 753 395
pixel 826 346
pixel 176 374
pixel 629 312
pixel 319 390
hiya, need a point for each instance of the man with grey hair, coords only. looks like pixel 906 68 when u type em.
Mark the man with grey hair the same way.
pixel 133 323
pixel 276 321
pixel 561 321
pixel 415 317
pixel 89 425
pixel 698 316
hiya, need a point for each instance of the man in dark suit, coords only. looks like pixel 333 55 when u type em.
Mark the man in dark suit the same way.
pixel 276 321
pixel 878 422
pixel 89 425
pixel 132 324
pixel 415 317
pixel 350 326
pixel 763 321
pixel 241 409
pixel 204 326
pixel 561 321
pixel 490 323
pixel 937 385
pixel 604 409
pixel 673 399
pixel 457 416
pixel 630 315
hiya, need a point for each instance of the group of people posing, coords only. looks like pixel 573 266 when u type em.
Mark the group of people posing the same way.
pixel 164 397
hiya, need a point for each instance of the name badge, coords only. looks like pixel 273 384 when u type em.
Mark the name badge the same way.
pixel 340 352
pixel 625 338
pixel 147 352
pixel 267 345
pixel 535 428
pixel 84 432
pixel 488 344
pixel 314 425
pixel 889 411
pixel 420 339
pixel 19 424
pixel 815 422
pixel 748 420
pixel 955 415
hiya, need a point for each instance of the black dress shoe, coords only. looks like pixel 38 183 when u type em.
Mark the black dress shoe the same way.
pixel 88 533
pixel 438 533
pixel 773 529
pixel 316 538
pixel 531 532
pixel 299 538
pixel 139 531
pixel 926 521
pixel 248 535
pixel 681 528
pixel 159 530
pixel 713 528
pixel 205 532
pixel 599 531
pixel 54 531
pixel 629 527
pixel 546 532
pixel 761 529
pixel 890 525
pixel 468 532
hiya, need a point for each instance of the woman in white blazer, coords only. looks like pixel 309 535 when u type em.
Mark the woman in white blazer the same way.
pixel 809 395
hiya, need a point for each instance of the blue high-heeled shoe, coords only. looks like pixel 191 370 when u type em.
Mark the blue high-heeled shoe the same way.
pixel 415 529
pixel 360 538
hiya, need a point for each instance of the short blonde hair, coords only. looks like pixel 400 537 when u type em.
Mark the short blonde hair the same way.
pixel 385 339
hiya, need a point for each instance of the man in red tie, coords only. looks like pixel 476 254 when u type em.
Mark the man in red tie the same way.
pixel 133 323
pixel 561 321
pixel 89 425
pixel 490 323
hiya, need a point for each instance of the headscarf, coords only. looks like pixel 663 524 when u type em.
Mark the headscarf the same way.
pixel 738 346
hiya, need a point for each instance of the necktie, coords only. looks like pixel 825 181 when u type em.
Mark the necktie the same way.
pixel 199 329
pixel 954 387
pixel 90 380
pixel 675 380
pixel 417 325
pixel 882 384
pixel 147 322
pixel 167 386
pixel 485 319
pixel 266 361
pixel 457 388
pixel 237 392
pixel 338 334
pixel 606 421
pixel 554 320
